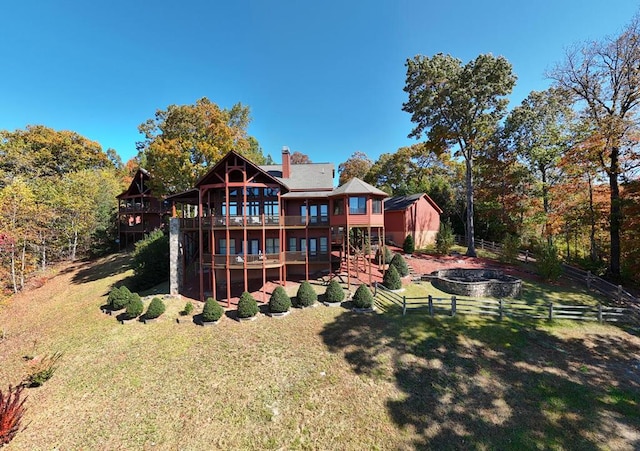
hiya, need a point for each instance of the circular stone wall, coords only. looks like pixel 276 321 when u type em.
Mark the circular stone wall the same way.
pixel 476 283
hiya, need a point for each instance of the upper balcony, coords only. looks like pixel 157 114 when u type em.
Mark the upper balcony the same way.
pixel 254 221
pixel 252 261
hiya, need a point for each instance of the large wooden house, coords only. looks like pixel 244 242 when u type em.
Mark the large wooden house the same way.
pixel 139 211
pixel 244 225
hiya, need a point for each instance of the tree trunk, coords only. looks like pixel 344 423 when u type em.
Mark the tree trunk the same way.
pixel 545 206
pixel 23 260
pixel 75 245
pixel 615 215
pixel 471 243
pixel 593 252
pixel 14 280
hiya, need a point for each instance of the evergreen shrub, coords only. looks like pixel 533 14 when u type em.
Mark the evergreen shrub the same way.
pixel 151 260
pixel 391 279
pixel 119 298
pixel 409 246
pixel 247 306
pixel 305 296
pixel 135 307
pixel 44 369
pixel 445 238
pixel 279 301
pixel 400 264
pixel 334 292
pixel 212 311
pixel 548 264
pixel 155 309
pixel 188 309
pixel 363 297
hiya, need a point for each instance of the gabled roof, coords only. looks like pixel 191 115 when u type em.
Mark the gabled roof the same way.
pixel 230 154
pixel 138 184
pixel 304 177
pixel 399 203
pixel 357 186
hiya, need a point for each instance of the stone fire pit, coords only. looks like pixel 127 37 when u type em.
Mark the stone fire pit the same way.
pixel 476 282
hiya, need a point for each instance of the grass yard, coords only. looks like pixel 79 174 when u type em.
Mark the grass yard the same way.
pixel 321 378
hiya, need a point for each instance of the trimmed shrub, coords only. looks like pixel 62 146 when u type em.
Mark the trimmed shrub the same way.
pixel 363 297
pixel 548 264
pixel 391 279
pixel 212 311
pixel 135 307
pixel 445 238
pixel 44 369
pixel 119 298
pixel 11 412
pixel 383 255
pixel 510 248
pixel 247 306
pixel 305 296
pixel 334 292
pixel 151 260
pixel 155 309
pixel 279 301
pixel 409 246
pixel 400 264
pixel 188 309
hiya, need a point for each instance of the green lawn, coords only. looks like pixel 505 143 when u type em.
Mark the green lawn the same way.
pixel 321 378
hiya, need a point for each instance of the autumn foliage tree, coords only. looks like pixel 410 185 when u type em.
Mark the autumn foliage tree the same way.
pixel 357 165
pixel 182 142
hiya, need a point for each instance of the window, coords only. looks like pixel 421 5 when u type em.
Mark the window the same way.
pixel 313 213
pixel 324 244
pixel 293 243
pixel 338 207
pixel 303 245
pixel 324 214
pixel 357 205
pixel 223 246
pixel 376 207
pixel 273 246
pixel 313 246
pixel 303 214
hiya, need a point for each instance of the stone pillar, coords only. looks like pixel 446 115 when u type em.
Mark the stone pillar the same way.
pixel 175 257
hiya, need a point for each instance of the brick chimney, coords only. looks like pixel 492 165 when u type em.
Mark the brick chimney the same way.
pixel 286 163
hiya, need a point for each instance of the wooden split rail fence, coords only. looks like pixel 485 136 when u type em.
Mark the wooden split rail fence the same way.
pixel 504 307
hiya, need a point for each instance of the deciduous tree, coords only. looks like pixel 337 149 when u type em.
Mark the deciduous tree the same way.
pixel 604 78
pixel 458 107
pixel 357 165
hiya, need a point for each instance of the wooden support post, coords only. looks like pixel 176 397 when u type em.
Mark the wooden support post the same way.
pixel 453 306
pixel 404 305
pixel 600 313
pixel 550 311
pixel 430 305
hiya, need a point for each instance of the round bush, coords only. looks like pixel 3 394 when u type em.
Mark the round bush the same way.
pixel 119 298
pixel 155 309
pixel 400 264
pixel 306 296
pixel 392 279
pixel 135 306
pixel 409 245
pixel 279 301
pixel 334 292
pixel 247 306
pixel 212 311
pixel 363 297
pixel 188 308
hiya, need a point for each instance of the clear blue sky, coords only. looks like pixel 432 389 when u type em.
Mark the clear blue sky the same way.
pixel 324 78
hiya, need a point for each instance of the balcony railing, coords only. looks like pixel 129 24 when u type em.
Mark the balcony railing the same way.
pixel 254 221
pixel 257 261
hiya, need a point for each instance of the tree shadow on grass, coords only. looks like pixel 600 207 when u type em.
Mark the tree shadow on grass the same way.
pixel 93 270
pixel 477 384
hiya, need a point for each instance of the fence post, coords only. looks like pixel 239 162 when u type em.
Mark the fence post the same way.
pixel 600 313
pixel 588 280
pixel 619 293
pixel 481 243
pixel 453 306
pixel 500 308
pixel 526 256
pixel 375 287
pixel 550 311
pixel 404 305
pixel 493 247
pixel 430 305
